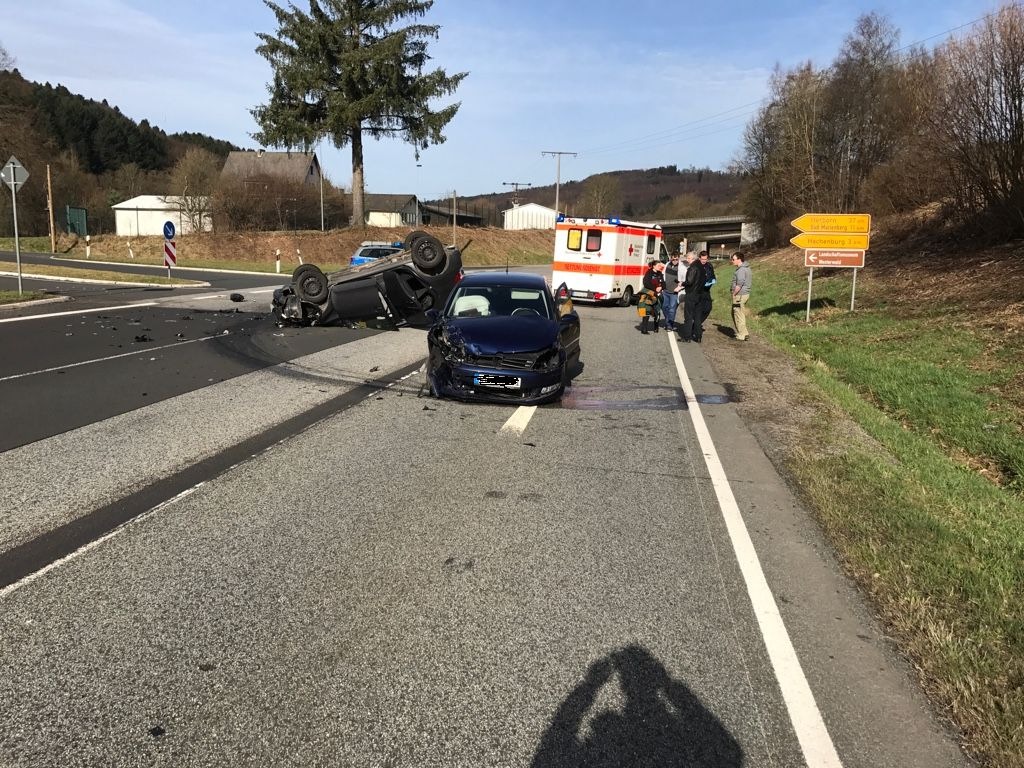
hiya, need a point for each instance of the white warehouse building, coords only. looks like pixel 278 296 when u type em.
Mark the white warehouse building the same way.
pixel 146 214
pixel 529 216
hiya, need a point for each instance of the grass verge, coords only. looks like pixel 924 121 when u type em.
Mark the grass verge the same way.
pixel 929 517
pixel 26 244
pixel 13 297
pixel 50 270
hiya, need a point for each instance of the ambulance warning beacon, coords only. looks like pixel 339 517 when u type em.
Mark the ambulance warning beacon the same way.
pixel 604 259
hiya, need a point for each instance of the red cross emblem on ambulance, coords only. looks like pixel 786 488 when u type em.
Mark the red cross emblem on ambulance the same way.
pixel 630 250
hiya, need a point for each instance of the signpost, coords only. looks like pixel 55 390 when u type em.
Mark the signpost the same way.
pixel 818 258
pixel 844 241
pixel 832 240
pixel 170 247
pixel 14 175
pixel 857 223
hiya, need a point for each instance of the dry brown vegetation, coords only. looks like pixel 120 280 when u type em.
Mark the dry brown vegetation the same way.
pixel 486 247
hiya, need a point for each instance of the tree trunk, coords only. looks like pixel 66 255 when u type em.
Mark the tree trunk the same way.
pixel 358 216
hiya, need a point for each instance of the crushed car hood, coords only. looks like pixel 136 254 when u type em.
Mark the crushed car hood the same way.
pixel 504 335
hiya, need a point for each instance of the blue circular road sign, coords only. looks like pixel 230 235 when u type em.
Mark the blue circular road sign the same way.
pixel 168 230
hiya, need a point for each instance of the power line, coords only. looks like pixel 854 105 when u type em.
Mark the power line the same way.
pixel 668 131
pixel 515 191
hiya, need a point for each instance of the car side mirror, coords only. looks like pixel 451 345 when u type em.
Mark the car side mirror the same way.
pixel 433 315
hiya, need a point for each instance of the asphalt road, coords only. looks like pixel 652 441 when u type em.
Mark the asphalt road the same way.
pixel 386 579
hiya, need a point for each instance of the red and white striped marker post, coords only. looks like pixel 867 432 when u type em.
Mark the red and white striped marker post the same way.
pixel 170 255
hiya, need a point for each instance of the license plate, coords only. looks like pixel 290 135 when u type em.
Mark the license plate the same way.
pixel 579 294
pixel 503 382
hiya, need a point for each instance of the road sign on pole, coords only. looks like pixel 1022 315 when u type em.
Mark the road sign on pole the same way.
pixel 170 254
pixel 814 257
pixel 827 240
pixel 14 175
pixel 832 240
pixel 854 223
pixel 168 230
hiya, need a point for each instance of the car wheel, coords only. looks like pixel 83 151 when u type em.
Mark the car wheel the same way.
pixel 627 296
pixel 428 254
pixel 428 388
pixel 310 283
pixel 416 234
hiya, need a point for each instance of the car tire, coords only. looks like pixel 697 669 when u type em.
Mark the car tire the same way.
pixel 427 386
pixel 428 254
pixel 412 237
pixel 310 283
pixel 627 296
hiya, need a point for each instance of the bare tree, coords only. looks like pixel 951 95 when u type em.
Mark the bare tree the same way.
pixel 915 173
pixel 602 195
pixel 763 197
pixel 193 179
pixel 979 116
pixel 863 123
pixel 7 61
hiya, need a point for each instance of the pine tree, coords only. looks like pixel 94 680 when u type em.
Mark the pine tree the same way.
pixel 345 69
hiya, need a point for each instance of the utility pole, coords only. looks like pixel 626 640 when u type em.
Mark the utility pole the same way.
pixel 455 213
pixel 558 171
pixel 320 173
pixel 49 209
pixel 515 192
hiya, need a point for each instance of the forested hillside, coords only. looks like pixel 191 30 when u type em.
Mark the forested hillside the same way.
pixel 650 193
pixel 97 156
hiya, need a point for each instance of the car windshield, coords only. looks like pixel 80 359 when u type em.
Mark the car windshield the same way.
pixel 498 300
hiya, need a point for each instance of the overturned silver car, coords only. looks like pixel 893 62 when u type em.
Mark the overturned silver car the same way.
pixel 392 290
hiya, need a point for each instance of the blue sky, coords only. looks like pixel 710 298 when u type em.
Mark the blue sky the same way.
pixel 624 85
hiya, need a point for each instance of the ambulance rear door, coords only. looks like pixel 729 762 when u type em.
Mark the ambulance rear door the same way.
pixel 583 259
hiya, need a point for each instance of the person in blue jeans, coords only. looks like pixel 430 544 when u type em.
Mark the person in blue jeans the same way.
pixel 670 292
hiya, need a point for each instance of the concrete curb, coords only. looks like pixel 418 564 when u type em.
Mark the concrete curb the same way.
pixel 156 266
pixel 34 302
pixel 59 279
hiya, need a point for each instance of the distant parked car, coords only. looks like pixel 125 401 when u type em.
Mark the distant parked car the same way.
pixel 503 338
pixel 394 289
pixel 371 250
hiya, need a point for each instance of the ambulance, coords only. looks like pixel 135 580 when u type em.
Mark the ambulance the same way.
pixel 604 260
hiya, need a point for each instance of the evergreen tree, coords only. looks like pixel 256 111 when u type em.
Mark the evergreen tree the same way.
pixel 344 69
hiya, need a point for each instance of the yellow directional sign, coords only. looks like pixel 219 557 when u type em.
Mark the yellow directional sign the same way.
pixel 858 223
pixel 830 241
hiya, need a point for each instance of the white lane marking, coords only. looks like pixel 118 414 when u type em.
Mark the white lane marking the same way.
pixel 78 312
pixel 519 420
pixel 25 580
pixel 815 742
pixel 140 351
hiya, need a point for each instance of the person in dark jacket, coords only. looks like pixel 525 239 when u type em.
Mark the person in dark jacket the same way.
pixel 648 303
pixel 692 279
pixel 704 302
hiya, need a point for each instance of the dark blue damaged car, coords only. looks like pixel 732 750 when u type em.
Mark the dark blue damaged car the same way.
pixel 503 338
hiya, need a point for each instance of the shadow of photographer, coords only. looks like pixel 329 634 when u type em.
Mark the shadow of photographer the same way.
pixel 661 723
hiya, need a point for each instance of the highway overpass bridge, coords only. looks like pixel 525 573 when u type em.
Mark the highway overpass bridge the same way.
pixel 718 233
